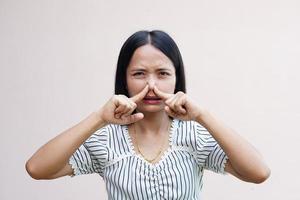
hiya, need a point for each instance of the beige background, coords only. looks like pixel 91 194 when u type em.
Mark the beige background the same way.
pixel 58 61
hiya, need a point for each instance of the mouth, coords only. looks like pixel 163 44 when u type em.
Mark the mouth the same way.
pixel 152 100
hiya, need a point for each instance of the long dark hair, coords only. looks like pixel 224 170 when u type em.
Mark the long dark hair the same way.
pixel 161 41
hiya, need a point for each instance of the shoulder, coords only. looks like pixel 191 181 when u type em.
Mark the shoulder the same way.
pixel 104 133
pixel 109 129
pixel 189 133
pixel 117 140
pixel 184 133
pixel 109 132
pixel 189 125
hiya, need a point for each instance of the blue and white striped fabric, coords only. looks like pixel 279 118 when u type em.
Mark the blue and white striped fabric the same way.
pixel 178 175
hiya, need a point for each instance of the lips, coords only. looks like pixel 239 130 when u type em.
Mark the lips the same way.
pixel 152 98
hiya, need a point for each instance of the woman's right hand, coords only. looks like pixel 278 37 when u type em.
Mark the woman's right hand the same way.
pixel 119 108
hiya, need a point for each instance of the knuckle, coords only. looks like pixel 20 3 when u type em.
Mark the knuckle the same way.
pixel 121 105
pixel 128 107
pixel 114 97
pixel 132 107
pixel 124 102
pixel 121 96
pixel 117 96
pixel 177 106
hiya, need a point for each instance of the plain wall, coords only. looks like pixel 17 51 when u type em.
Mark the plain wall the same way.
pixel 58 60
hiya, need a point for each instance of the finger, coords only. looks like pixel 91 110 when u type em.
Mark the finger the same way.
pixel 179 105
pixel 124 113
pixel 170 101
pixel 118 115
pixel 162 94
pixel 120 108
pixel 133 118
pixel 124 103
pixel 128 112
pixel 127 109
pixel 138 97
pixel 180 109
pixel 177 112
pixel 177 102
pixel 170 112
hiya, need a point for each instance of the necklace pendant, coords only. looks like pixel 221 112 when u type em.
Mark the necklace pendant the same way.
pixel 138 149
pixel 151 160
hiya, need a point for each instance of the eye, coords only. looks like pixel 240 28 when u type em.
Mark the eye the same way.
pixel 164 73
pixel 138 74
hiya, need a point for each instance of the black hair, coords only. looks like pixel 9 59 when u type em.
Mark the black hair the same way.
pixel 159 39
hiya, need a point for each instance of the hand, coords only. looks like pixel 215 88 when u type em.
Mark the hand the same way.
pixel 179 105
pixel 119 108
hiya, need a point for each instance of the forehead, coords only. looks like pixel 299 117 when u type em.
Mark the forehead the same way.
pixel 148 56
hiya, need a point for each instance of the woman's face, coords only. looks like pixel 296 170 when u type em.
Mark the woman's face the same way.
pixel 149 65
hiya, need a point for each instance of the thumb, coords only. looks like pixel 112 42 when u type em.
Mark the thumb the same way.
pixel 133 118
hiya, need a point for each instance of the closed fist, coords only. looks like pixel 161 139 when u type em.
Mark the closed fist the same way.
pixel 179 105
pixel 119 108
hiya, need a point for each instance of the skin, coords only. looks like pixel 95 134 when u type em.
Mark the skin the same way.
pixel 51 160
pixel 149 66
pixel 145 71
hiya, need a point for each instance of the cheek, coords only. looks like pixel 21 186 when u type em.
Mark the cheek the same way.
pixel 167 86
pixel 134 86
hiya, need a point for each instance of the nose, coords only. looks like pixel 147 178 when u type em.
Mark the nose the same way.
pixel 151 83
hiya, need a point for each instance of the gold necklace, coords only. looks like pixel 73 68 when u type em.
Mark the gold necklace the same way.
pixel 139 151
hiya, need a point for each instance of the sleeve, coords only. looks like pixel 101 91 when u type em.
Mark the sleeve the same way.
pixel 91 156
pixel 209 154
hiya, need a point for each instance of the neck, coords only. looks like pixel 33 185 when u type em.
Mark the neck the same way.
pixel 153 123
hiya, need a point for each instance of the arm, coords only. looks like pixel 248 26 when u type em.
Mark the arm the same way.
pixel 244 160
pixel 51 160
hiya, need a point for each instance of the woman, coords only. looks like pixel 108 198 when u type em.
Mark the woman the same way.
pixel 150 140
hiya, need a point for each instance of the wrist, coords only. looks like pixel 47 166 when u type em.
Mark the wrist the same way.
pixel 99 117
pixel 202 113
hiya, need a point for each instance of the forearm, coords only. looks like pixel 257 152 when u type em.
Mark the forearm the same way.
pixel 244 158
pixel 54 155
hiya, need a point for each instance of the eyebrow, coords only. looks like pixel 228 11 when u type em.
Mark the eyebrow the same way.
pixel 159 69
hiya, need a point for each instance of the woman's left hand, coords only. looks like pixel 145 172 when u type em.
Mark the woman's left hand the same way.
pixel 179 105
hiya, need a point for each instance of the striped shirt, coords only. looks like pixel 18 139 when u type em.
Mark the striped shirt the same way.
pixel 127 175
